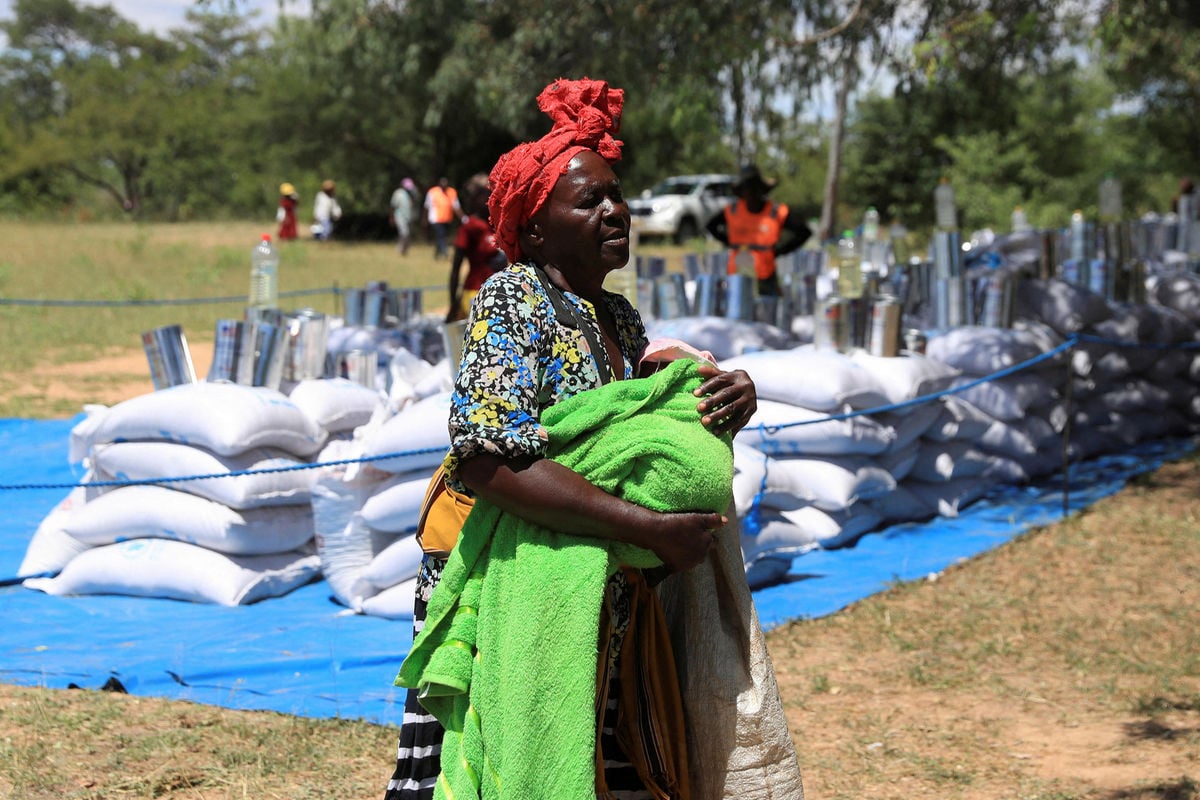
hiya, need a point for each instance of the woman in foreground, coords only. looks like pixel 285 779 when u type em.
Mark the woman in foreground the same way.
pixel 545 652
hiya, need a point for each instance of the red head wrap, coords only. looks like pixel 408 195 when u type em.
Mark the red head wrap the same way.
pixel 586 115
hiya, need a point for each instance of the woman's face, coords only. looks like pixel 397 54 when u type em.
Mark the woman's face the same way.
pixel 585 222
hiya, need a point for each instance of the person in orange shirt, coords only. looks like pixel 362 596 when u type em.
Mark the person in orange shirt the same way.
pixel 756 230
pixel 441 210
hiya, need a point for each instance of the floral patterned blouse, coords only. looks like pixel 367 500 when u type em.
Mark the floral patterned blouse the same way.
pixel 519 358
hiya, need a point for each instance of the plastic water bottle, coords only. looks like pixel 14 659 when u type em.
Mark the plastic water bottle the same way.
pixel 1078 236
pixel 1110 199
pixel 945 214
pixel 1020 223
pixel 264 275
pixel 849 263
pixel 870 238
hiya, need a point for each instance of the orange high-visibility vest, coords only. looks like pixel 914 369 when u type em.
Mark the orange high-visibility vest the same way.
pixel 442 201
pixel 757 233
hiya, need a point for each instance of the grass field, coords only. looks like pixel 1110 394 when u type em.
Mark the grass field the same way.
pixel 1064 665
pixel 151 262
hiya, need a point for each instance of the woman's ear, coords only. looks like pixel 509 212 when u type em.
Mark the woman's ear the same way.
pixel 532 238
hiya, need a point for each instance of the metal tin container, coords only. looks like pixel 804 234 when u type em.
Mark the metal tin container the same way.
pixel 914 341
pixel 359 366
pixel 739 297
pixel 707 293
pixel 884 336
pixel 670 297
pixel 169 357
pixel 352 306
pixel 827 323
pixel 261 355
pixel 307 342
pixel 227 344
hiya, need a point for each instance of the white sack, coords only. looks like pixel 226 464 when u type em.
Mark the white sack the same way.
pixel 911 425
pixel 421 426
pixel 395 507
pixel 979 351
pixel 907 377
pixel 774 430
pixel 946 461
pixel 227 418
pixel 336 404
pixel 50 547
pixel 395 602
pixel 1064 306
pixel 1007 398
pixel 810 377
pixel 141 512
pixel 833 529
pixel 948 497
pixel 180 571
pixel 901 505
pixel 749 469
pixel 958 419
pixel 828 484
pixel 141 461
pixel 397 563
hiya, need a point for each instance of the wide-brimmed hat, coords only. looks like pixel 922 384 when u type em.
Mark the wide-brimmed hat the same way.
pixel 287 189
pixel 749 175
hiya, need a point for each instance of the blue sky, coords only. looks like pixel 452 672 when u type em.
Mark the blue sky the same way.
pixel 162 15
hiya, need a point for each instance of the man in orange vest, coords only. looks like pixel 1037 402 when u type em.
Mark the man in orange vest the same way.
pixel 753 229
pixel 441 209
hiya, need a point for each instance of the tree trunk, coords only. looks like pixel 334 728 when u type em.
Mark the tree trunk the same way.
pixel 833 169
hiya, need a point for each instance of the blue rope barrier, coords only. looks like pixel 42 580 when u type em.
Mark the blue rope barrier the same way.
pixel 16 487
pixel 241 298
pixel 337 291
pixel 764 430
pixel 916 401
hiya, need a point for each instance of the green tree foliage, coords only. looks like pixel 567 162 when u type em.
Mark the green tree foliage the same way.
pixel 1002 96
pixel 151 122
pixel 1153 56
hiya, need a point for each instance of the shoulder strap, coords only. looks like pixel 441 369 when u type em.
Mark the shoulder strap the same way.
pixel 568 315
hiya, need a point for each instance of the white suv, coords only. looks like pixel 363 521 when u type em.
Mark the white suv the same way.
pixel 681 206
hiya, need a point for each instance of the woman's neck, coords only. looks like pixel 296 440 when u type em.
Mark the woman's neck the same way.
pixel 590 290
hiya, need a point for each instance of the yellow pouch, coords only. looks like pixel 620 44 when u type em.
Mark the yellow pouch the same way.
pixel 442 516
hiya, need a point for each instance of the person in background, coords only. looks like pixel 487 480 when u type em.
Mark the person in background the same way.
pixel 404 207
pixel 1185 187
pixel 326 211
pixel 475 243
pixel 756 230
pixel 441 209
pixel 286 215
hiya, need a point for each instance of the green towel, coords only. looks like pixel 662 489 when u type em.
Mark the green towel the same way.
pixel 507 658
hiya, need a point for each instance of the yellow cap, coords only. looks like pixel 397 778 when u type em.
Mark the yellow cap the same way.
pixel 287 188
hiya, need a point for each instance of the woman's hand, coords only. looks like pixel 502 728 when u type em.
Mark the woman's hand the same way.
pixel 683 540
pixel 729 399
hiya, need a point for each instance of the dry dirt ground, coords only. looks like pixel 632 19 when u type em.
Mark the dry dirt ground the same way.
pixel 107 380
pixel 1064 664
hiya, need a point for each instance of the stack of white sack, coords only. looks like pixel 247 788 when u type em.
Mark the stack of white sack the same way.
pixel 808 476
pixel 1007 428
pixel 1137 382
pixel 366 513
pixel 235 535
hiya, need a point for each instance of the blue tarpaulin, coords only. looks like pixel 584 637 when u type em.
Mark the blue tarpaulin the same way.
pixel 304 654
